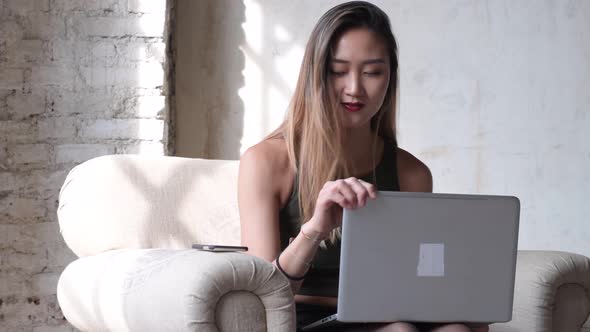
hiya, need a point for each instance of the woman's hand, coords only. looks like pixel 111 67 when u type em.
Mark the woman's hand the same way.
pixel 350 193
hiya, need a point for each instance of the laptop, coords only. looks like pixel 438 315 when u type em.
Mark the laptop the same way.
pixel 424 257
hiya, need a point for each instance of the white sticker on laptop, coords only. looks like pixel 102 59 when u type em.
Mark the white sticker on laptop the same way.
pixel 431 262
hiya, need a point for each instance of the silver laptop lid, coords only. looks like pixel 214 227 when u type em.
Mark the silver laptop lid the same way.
pixel 429 257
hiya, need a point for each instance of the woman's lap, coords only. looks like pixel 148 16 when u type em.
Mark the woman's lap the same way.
pixel 308 313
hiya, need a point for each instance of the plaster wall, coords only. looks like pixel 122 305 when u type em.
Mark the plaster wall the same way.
pixel 494 95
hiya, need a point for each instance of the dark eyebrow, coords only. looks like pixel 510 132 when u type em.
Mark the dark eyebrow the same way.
pixel 366 62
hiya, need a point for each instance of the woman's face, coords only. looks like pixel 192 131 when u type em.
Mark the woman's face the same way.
pixel 359 76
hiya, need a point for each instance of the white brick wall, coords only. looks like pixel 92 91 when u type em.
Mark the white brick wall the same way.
pixel 60 103
pixel 18 209
pixel 142 76
pixel 148 148
pixel 61 76
pixel 145 129
pixel 76 153
pixel 21 106
pixel 139 6
pixel 26 51
pixel 45 26
pixel 56 127
pixel 22 154
pixel 144 107
pixel 44 283
pixel 11 78
pixel 26 6
pixel 19 131
pixel 78 79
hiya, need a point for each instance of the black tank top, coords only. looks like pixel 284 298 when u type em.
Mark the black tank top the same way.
pixel 322 279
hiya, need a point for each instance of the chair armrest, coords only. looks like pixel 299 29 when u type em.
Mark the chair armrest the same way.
pixel 552 292
pixel 175 290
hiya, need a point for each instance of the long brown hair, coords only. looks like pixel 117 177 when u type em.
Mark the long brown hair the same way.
pixel 312 129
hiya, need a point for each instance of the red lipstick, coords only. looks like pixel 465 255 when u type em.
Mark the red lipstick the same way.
pixel 353 107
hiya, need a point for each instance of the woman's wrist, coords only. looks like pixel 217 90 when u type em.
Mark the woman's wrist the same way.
pixel 308 232
pixel 289 276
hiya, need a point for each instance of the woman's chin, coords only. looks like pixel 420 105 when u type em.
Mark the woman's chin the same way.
pixel 357 120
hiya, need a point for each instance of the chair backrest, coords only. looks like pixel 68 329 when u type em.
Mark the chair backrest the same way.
pixel 137 201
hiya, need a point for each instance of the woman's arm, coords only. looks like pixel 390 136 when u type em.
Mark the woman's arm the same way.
pixel 259 202
pixel 264 182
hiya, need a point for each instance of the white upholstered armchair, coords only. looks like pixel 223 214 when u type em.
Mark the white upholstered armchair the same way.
pixel 132 219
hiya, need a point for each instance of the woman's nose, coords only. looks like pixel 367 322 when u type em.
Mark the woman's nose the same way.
pixel 353 85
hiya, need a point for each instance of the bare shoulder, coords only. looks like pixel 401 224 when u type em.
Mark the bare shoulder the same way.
pixel 269 148
pixel 264 184
pixel 413 174
pixel 269 156
pixel 268 162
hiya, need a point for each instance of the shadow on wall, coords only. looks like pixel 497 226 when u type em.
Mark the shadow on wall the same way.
pixel 209 65
pixel 236 68
pixel 276 35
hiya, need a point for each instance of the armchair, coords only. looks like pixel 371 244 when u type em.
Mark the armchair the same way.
pixel 132 219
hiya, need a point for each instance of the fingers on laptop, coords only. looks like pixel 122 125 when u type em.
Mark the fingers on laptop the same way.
pixel 362 191
pixel 349 193
pixel 349 196
pixel 371 188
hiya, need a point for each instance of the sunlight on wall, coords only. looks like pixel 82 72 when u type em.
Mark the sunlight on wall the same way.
pixel 253 25
pixel 272 61
pixel 251 93
pixel 281 34
pixel 150 77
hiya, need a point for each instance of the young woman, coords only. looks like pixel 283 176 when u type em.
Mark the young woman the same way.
pixel 335 149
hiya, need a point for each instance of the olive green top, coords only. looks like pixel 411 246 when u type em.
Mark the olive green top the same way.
pixel 322 279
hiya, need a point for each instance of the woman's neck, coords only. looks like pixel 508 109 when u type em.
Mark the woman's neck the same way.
pixel 362 151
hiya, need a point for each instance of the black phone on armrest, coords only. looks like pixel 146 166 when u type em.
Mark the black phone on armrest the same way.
pixel 218 248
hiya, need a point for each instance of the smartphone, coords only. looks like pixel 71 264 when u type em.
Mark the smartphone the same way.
pixel 218 248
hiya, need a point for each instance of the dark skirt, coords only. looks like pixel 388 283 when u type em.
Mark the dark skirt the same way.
pixel 308 313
